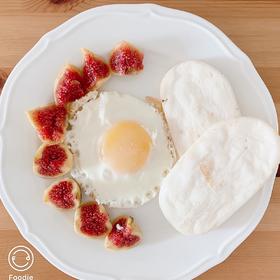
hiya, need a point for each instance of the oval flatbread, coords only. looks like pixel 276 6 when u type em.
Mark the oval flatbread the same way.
pixel 195 96
pixel 224 168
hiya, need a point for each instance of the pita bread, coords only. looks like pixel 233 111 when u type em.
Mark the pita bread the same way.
pixel 221 171
pixel 195 95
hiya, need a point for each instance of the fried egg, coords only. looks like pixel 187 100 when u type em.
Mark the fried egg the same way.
pixel 121 148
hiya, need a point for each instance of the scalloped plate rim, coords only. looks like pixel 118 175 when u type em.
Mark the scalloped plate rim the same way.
pixel 226 249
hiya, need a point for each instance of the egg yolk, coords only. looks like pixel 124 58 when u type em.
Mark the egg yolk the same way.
pixel 126 146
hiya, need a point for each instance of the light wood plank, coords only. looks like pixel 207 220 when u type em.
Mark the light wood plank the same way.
pixel 253 25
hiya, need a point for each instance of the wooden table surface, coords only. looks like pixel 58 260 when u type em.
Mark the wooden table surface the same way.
pixel 253 25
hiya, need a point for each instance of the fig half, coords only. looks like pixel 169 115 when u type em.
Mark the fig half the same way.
pixel 52 161
pixel 50 122
pixel 69 85
pixel 63 194
pixel 95 71
pixel 126 59
pixel 125 234
pixel 92 220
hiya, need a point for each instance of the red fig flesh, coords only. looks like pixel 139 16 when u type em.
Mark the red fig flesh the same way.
pixel 95 71
pixel 68 86
pixel 64 194
pixel 50 122
pixel 52 160
pixel 126 59
pixel 92 220
pixel 124 234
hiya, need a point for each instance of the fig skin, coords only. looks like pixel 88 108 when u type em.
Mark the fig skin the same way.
pixel 63 169
pixel 98 74
pixel 126 59
pixel 52 129
pixel 64 81
pixel 134 231
pixel 78 220
pixel 76 192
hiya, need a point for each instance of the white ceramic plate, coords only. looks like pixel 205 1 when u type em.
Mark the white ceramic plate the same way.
pixel 167 37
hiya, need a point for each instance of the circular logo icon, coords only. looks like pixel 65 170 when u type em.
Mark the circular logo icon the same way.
pixel 20 258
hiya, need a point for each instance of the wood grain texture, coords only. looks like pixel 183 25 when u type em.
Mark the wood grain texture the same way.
pixel 253 25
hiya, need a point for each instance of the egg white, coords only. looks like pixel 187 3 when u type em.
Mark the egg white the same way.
pixel 93 118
